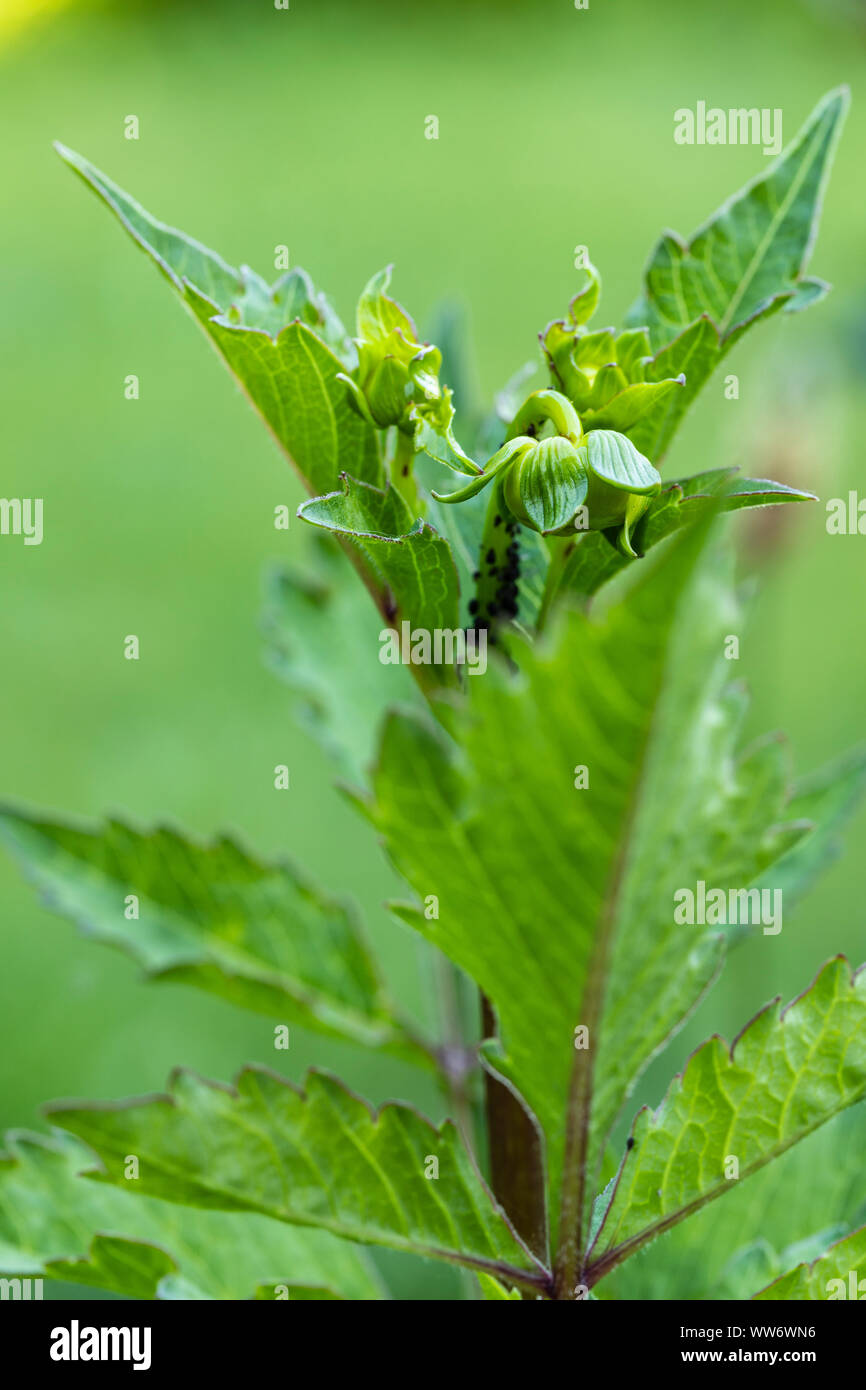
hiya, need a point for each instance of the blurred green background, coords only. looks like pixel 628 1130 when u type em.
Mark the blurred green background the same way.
pixel 306 127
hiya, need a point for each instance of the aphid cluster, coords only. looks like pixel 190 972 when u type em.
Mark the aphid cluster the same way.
pixel 498 573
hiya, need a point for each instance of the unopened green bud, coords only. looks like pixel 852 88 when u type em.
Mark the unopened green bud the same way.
pixel 395 371
pixel 545 482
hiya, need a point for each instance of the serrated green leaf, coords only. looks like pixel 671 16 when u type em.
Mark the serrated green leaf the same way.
pixel 212 916
pixel 788 1072
pixel 745 263
pixel 594 560
pixel 827 799
pixel 281 342
pixel 133 1268
pixel 810 290
pixel 58 1225
pixel 840 1273
pixel 413 561
pixel 754 248
pixel 817 1185
pixel 318 1157
pixel 593 869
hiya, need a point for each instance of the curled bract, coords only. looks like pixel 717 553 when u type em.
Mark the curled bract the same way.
pixel 609 377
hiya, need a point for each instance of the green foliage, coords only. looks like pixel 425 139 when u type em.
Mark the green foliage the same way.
pixel 834 1275
pixel 745 263
pixel 57 1224
pixel 788 1072
pixel 322 637
pixel 544 819
pixel 668 802
pixel 318 1158
pixel 283 342
pixel 214 917
pixel 414 563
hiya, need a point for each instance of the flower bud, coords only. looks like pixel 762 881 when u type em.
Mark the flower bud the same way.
pixel 544 482
pixel 395 371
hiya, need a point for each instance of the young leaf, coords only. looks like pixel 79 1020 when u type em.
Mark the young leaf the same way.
pixel 281 342
pixel 827 798
pixel 594 561
pixel 434 433
pixel 318 1157
pixel 839 1273
pixel 56 1224
pixel 816 1186
pixel 744 263
pixel 788 1072
pixel 213 916
pixel 571 921
pixel 414 562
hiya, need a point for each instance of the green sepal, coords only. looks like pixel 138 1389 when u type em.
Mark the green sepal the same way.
pixel 435 435
pixel 595 349
pixel 510 451
pixel 632 348
pixel 622 411
pixel 585 302
pixel 613 458
pixel 378 315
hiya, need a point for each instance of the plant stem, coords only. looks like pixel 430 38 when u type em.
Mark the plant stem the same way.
pixel 561 549
pixel 454 1068
pixel 453 1051
pixel 402 473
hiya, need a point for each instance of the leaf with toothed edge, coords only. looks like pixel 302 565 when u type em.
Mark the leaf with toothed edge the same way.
pixel 283 342
pixel 839 1273
pixel 754 248
pixel 594 561
pixel 788 1072
pixel 318 1157
pixel 744 264
pixel 58 1225
pixel 791 1210
pixel 215 917
pixel 411 558
pixel 641 695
